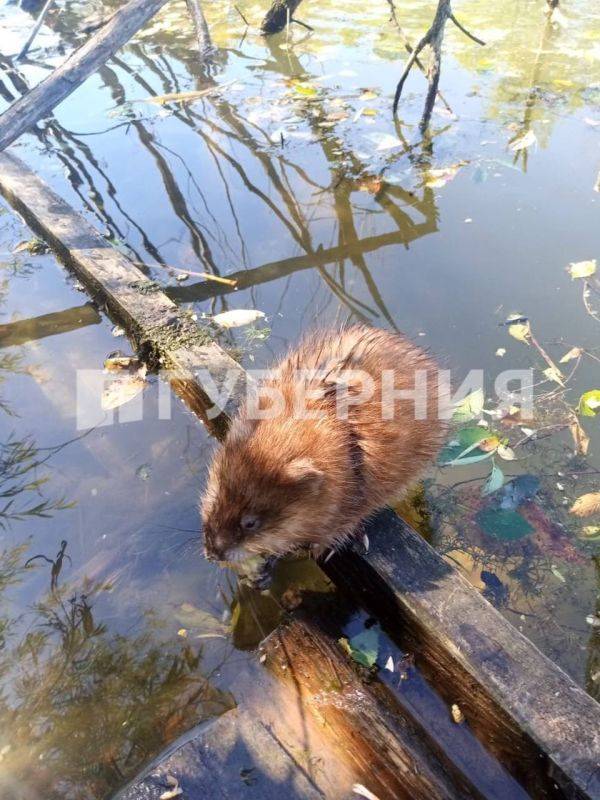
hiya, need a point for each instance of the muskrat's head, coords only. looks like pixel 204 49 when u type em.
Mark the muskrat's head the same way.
pixel 258 500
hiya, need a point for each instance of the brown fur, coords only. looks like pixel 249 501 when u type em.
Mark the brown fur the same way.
pixel 310 482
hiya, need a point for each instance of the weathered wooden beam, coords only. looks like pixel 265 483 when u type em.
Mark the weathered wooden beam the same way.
pixel 379 739
pixel 541 725
pixel 166 337
pixel 40 101
pixel 34 328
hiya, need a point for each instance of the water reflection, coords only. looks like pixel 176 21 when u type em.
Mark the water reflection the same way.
pixel 87 708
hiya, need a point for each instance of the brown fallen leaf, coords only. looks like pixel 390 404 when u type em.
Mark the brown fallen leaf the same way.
pixel 580 437
pixel 586 505
pixel 123 388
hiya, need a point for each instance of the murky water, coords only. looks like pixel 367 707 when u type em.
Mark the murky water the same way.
pixel 290 176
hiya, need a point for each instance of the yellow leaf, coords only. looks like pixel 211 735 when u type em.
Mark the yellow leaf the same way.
pixel 488 444
pixel 520 331
pixel 582 269
pixel 574 352
pixel 554 374
pixel 524 141
pixel 586 505
pixel 581 439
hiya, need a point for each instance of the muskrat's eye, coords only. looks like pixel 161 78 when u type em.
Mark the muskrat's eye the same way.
pixel 250 522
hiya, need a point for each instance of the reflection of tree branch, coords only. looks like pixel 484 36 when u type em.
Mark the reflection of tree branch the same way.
pixel 35 328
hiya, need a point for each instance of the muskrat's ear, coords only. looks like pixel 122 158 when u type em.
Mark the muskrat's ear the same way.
pixel 303 470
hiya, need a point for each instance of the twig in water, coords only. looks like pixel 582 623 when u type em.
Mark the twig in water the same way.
pixel 237 8
pixel 38 24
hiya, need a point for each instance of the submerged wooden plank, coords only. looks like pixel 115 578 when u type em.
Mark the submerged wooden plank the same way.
pixel 234 757
pixel 527 711
pixel 167 337
pixel 40 101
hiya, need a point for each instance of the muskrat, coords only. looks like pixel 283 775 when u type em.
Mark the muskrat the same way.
pixel 287 481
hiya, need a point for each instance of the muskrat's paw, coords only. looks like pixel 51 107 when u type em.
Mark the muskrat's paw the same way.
pixel 255 570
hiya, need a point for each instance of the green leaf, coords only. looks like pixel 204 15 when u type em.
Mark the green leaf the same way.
pixel 507 525
pixel 456 452
pixel 469 436
pixel 469 408
pixel 363 647
pixel 494 482
pixel 589 403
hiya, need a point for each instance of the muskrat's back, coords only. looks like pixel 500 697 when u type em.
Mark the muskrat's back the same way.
pixel 373 426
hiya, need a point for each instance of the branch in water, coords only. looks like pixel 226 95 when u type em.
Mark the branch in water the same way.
pixel 466 32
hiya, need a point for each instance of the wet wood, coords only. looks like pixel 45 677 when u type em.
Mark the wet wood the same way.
pixel 235 757
pixel 395 755
pixel 34 328
pixel 41 100
pixel 165 337
pixel 279 15
pixel 526 710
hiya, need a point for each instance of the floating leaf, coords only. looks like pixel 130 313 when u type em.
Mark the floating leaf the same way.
pixel 238 317
pixel 503 524
pixel 505 452
pixel 440 177
pixel 586 505
pixel 490 444
pixel 591 533
pixel 574 352
pixel 494 482
pixel 469 408
pixel 123 389
pixel 524 141
pixel 557 573
pixel 174 791
pixel 35 247
pixel 589 403
pixel 501 352
pixel 457 715
pixel 368 94
pixel 196 619
pixel 580 437
pixel 305 89
pixel 520 331
pixel 554 374
pixel 582 269
pixel 363 647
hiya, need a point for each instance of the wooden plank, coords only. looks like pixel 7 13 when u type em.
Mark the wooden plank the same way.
pixel 527 711
pixel 395 756
pixel 165 336
pixel 40 101
pixel 34 328
pixel 231 758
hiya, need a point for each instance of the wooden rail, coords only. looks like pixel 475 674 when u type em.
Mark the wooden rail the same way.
pixel 542 726
pixel 41 100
